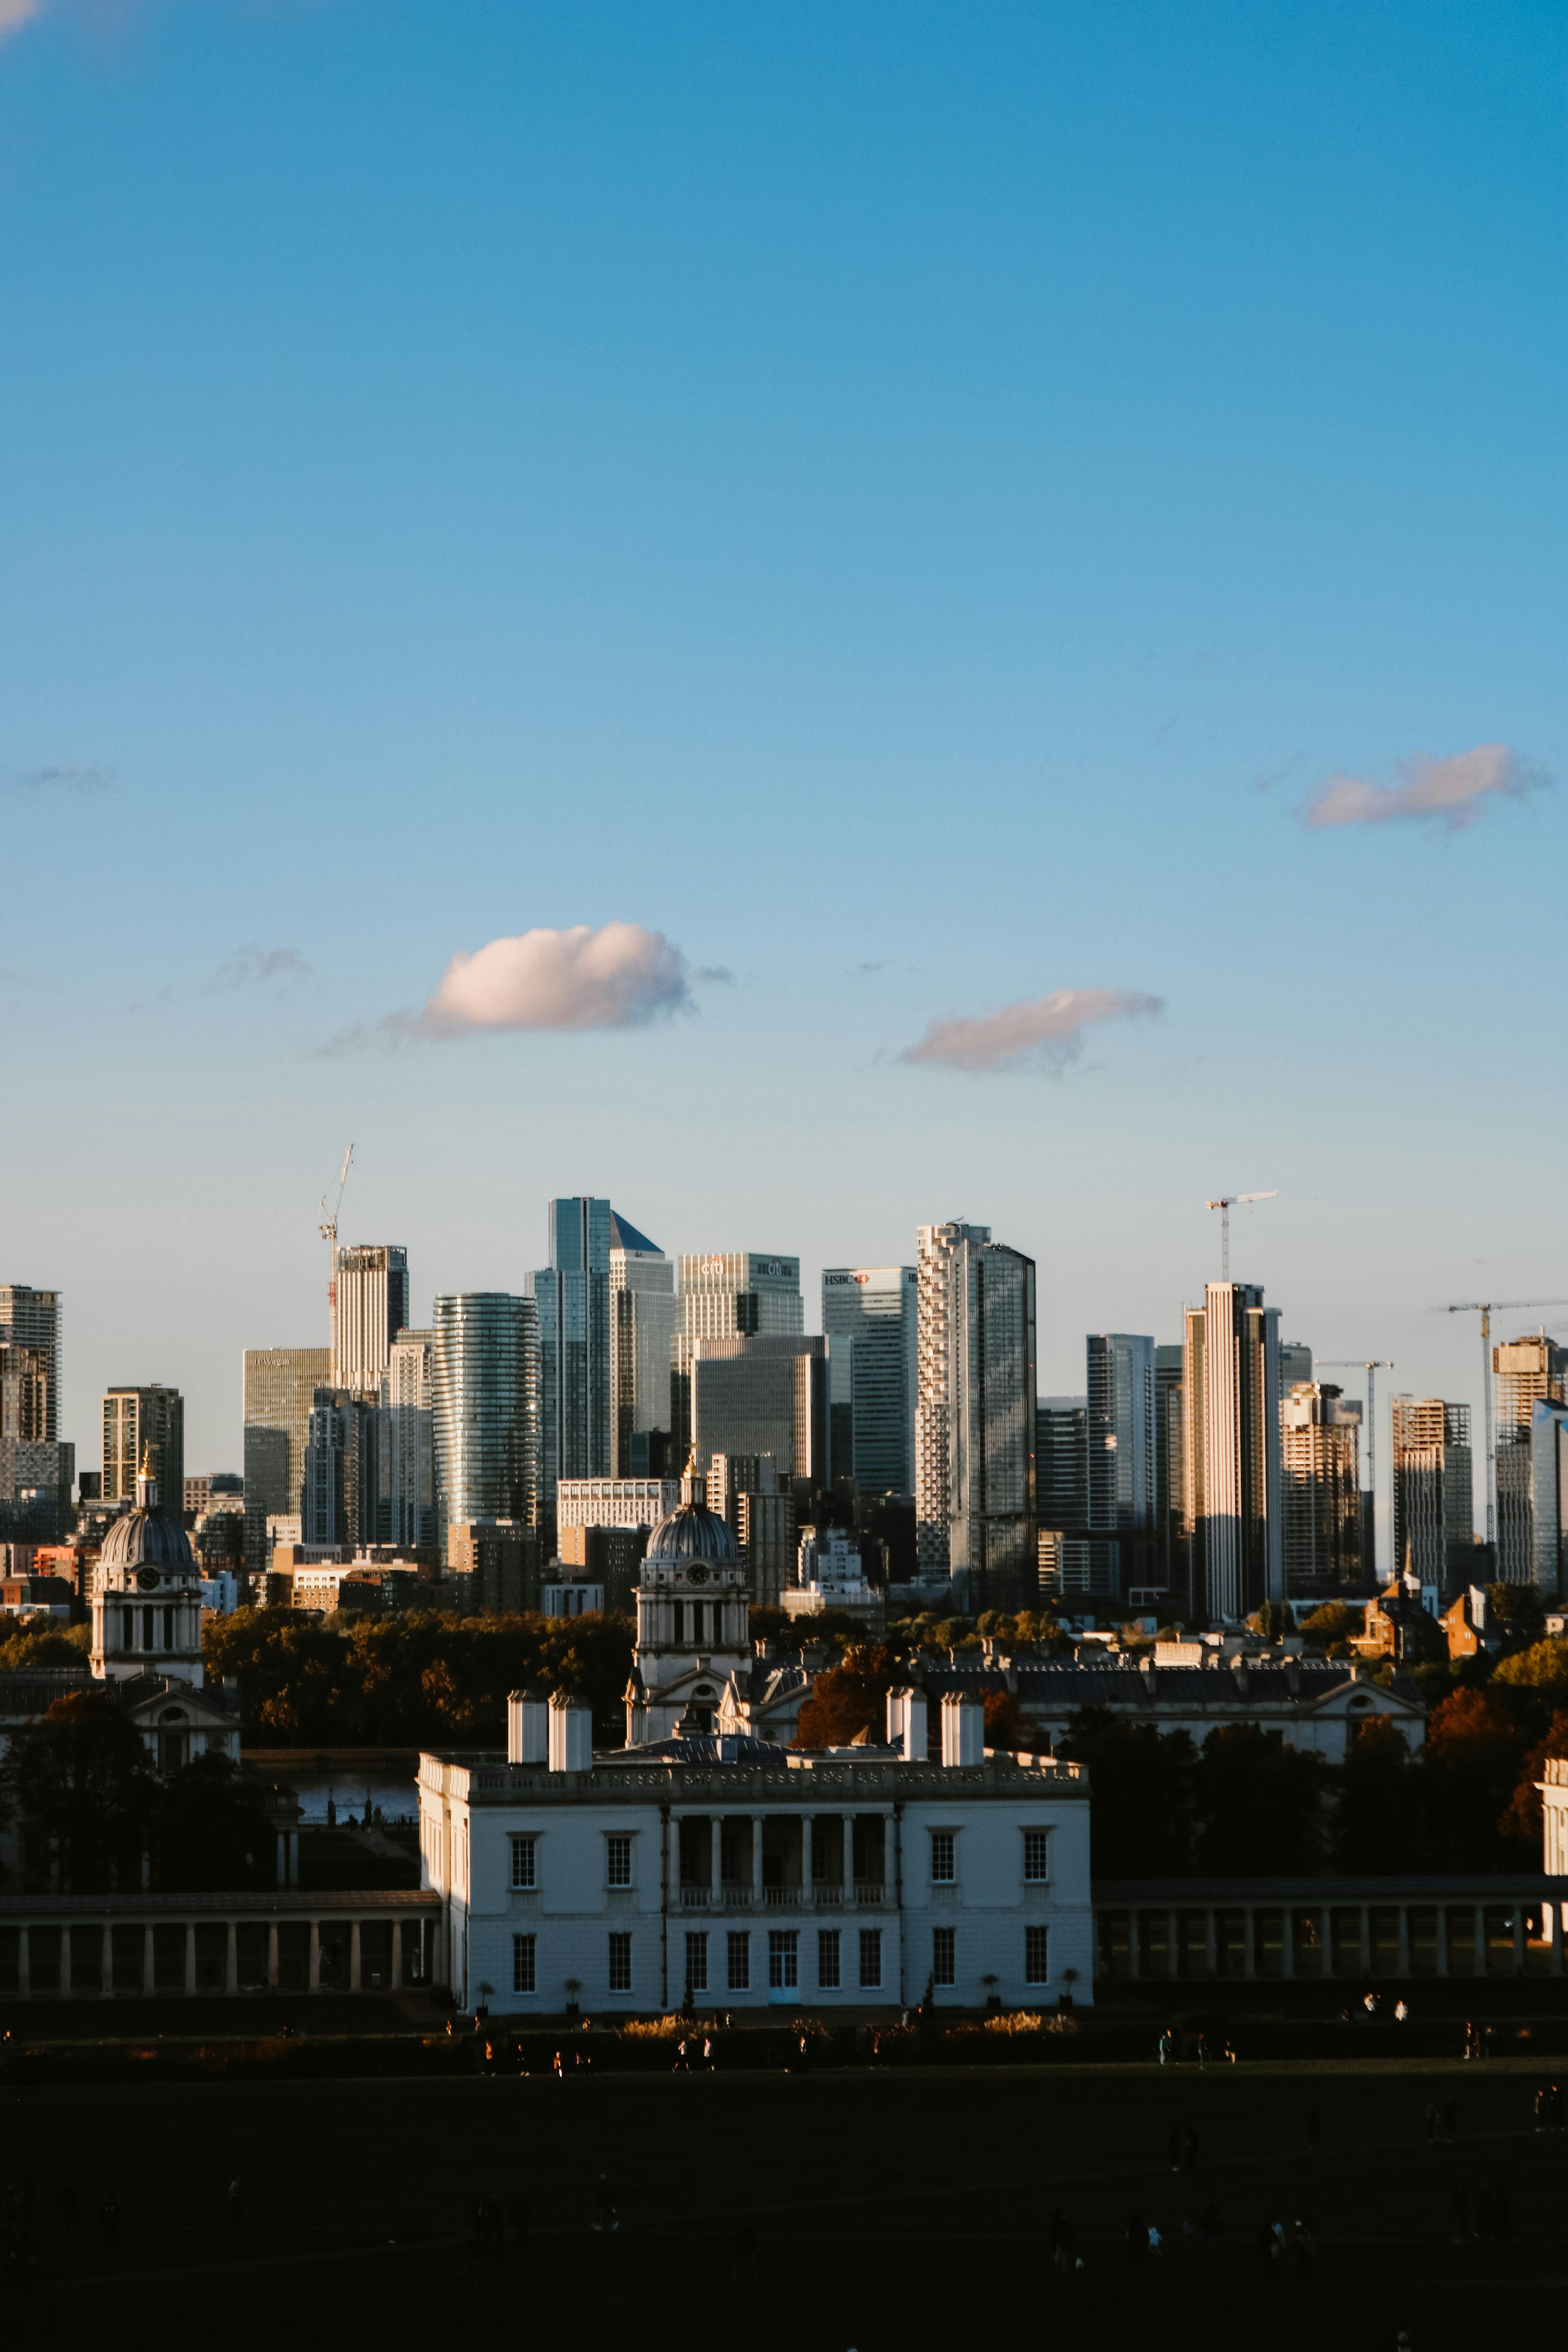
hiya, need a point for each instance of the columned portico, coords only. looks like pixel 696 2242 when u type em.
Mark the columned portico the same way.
pixel 1351 1930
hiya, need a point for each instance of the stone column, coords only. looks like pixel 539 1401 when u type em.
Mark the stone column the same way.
pixel 1133 1969
pixel 397 1955
pixel 64 1963
pixel 272 1956
pixel 149 1973
pixel 1211 1941
pixel 1553 1911
pixel 190 1956
pixel 1365 1932
pixel 1326 1941
pixel 1172 1949
pixel 231 1959
pixel 1480 1967
pixel 354 1977
pixel 314 1978
pixel 1519 1939
pixel 806 1860
pixel 716 1860
pixel 24 1965
pixel 107 1964
pixel 1403 1915
pixel 757 1860
pixel 1442 1939
pixel 1250 1944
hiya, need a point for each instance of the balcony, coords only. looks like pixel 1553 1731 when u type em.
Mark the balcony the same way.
pixel 869 1896
pixel 695 1898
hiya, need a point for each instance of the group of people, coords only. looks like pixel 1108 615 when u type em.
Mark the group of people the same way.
pixel 1168 2049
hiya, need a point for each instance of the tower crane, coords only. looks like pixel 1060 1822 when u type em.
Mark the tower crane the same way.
pixel 1486 1309
pixel 1371 1366
pixel 1225 1204
pixel 328 1230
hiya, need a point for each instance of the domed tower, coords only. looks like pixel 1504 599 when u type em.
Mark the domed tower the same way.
pixel 147 1608
pixel 693 1620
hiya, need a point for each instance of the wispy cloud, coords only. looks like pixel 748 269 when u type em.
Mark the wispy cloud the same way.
pixel 14 13
pixel 1453 793
pixel 62 779
pixel 253 966
pixel 715 975
pixel 1038 1033
pixel 621 976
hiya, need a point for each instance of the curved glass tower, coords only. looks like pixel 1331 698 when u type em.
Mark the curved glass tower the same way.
pixel 484 1395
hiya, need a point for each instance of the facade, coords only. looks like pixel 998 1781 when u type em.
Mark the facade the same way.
pixel 744 1876
pixel 488 1564
pixel 29 1364
pixel 1433 1497
pixel 572 1298
pixel 830 1574
pixel 1231 1467
pixel 147 1598
pixel 764 1395
pixel 991 1426
pixel 484 1394
pixel 280 1389
pixel 143 1429
pixel 340 1502
pixel 870 1319
pixel 1549 1497
pixel 934 1249
pixel 614 1502
pixel 728 1295
pixel 1120 1433
pixel 1319 1489
pixel 693 1611
pixel 1295 1364
pixel 609 1558
pixel 368 1300
pixel 405 1443
pixel 1066 1561
pixel 1525 1373
pixel 644 1319
pixel 1170 1413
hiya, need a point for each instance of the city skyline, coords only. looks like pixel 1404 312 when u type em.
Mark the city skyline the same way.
pixel 478 597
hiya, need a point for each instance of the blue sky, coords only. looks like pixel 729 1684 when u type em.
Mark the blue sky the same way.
pixel 908 504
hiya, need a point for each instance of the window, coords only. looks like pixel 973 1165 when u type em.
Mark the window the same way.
pixel 619 1860
pixel 943 1870
pixel 696 1963
pixel 827 1958
pixel 1036 1960
pixel 620 1963
pixel 870 1956
pixel 783 1959
pixel 943 1955
pixel 739 1972
pixel 522 1873
pixel 1037 1854
pixel 522 1961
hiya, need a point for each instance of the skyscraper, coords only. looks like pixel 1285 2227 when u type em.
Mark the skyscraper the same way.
pixel 765 1394
pixel 869 1317
pixel 484 1386
pixel 1121 1432
pixel 1170 1402
pixel 1434 1493
pixel 1526 1372
pixel 30 1363
pixel 1231 1471
pixel 571 1300
pixel 976 1393
pixel 1549 1495
pixel 144 1426
pixel 280 1389
pixel 405 1444
pixel 644 1318
pixel 369 1308
pixel 1066 1562
pixel 728 1295
pixel 1319 1488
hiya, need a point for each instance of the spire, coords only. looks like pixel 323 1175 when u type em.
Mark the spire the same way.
pixel 146 1484
pixel 693 1487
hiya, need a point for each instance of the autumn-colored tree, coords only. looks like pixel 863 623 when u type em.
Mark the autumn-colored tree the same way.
pixel 1476 1748
pixel 1521 1822
pixel 1543 1666
pixel 1005 1727
pixel 847 1699
pixel 1333 1623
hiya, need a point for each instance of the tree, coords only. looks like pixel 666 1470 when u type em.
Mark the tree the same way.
pixel 1142 1794
pixel 1259 1805
pixel 44 1642
pixel 1521 1822
pixel 1379 1813
pixel 1473 1762
pixel 210 1831
pixel 847 1699
pixel 80 1781
pixel 1005 1727
pixel 1332 1622
pixel 1518 1609
pixel 1273 1620
pixel 1543 1665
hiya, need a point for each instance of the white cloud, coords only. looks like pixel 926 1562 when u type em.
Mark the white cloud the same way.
pixel 1039 1032
pixel 1452 793
pixel 615 978
pixel 14 13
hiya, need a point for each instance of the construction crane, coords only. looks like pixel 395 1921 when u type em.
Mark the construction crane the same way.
pixel 329 1232
pixel 1371 1366
pixel 1486 1309
pixel 1225 1204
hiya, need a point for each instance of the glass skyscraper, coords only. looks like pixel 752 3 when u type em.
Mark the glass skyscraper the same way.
pixel 975 1418
pixel 870 1315
pixel 1231 1472
pixel 1121 1447
pixel 572 1298
pixel 484 1391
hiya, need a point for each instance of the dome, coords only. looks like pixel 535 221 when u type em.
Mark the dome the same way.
pixel 148 1536
pixel 692 1532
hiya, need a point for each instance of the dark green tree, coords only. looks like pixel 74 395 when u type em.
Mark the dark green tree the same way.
pixel 1379 1816
pixel 81 1784
pixel 1259 1805
pixel 210 1831
pixel 1142 1815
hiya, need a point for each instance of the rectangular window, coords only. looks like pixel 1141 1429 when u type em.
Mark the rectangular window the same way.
pixel 942 1869
pixel 522 1961
pixel 696 1963
pixel 871 1957
pixel 945 1955
pixel 740 1973
pixel 1037 1959
pixel 620 1963
pixel 1037 1854
pixel 522 1863
pixel 618 1860
pixel 783 1959
pixel 827 1958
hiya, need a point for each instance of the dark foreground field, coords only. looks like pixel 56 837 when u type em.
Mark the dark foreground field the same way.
pixel 889 2209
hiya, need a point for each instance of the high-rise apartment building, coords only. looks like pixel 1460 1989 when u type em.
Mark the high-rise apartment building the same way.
pixel 1295 1364
pixel 766 1394
pixel 369 1300
pixel 1231 1465
pixel 1525 1373
pixel 870 1315
pixel 405 1444
pixel 143 1427
pixel 727 1295
pixel 1320 1492
pixel 1434 1493
pixel 975 1416
pixel 1169 1405
pixel 1121 1453
pixel 1066 1561
pixel 571 1300
pixel 1549 1495
pixel 644 1318
pixel 30 1363
pixel 484 1388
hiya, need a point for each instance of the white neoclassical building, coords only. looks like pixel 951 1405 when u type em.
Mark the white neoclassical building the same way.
pixel 737 1872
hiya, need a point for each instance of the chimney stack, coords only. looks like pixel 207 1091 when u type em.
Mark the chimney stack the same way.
pixel 527 1728
pixel 571 1733
pixel 962 1727
pixel 906 1722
